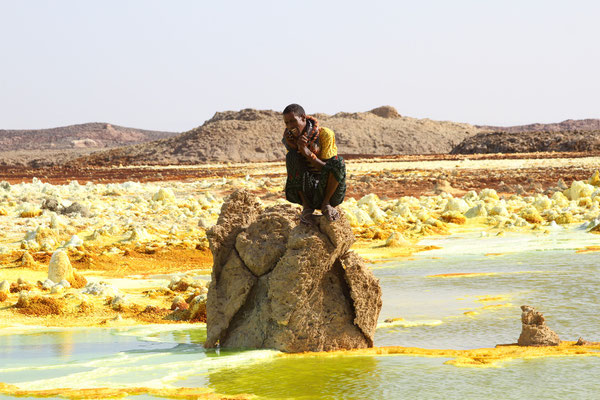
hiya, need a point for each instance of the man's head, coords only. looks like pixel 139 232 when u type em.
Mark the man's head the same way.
pixel 295 119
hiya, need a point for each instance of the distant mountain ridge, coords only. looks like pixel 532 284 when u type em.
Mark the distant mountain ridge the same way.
pixel 95 135
pixel 567 125
pixel 581 135
pixel 530 142
pixel 252 135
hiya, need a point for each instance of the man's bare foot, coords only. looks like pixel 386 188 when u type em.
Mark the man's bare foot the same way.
pixel 307 216
pixel 329 212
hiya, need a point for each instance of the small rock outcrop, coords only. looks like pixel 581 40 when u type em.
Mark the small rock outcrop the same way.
pixel 277 284
pixel 60 269
pixel 535 332
pixel 386 112
pixel 27 260
pixel 4 290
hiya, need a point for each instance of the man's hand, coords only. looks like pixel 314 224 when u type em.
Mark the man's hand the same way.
pixel 329 212
pixel 290 139
pixel 303 145
pixel 307 216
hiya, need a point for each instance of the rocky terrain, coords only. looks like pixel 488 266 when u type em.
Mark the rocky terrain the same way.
pixel 567 125
pixel 160 231
pixel 56 145
pixel 530 142
pixel 535 332
pixel 280 285
pixel 91 135
pixel 255 135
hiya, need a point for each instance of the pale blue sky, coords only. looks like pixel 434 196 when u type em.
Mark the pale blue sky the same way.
pixel 169 65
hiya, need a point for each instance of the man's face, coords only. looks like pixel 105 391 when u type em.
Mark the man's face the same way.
pixel 294 123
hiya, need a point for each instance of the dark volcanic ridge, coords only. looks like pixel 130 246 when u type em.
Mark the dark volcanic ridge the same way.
pixel 530 142
pixel 564 126
pixel 255 135
pixel 93 135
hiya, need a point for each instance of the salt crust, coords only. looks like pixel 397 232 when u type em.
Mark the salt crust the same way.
pixel 178 213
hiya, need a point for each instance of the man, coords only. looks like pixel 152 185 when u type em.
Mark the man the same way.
pixel 316 175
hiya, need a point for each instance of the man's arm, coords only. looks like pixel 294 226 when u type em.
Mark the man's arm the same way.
pixel 309 155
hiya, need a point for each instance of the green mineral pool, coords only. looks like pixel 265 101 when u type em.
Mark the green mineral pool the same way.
pixel 464 295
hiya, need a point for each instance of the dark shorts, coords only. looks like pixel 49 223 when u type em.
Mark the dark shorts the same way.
pixel 313 185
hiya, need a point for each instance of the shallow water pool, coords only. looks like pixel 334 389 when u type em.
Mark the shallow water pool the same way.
pixel 464 295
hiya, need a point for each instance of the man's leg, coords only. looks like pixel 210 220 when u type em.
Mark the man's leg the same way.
pixel 294 190
pixel 332 187
pixel 293 184
pixel 328 211
pixel 307 211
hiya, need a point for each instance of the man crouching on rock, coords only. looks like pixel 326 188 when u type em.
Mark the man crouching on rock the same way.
pixel 316 175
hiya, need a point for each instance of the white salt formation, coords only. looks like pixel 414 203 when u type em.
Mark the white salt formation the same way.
pixel 60 267
pixel 75 241
pixel 177 214
pixel 101 289
pixel 577 203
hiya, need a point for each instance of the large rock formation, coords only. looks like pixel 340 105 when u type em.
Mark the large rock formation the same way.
pixel 277 284
pixel 535 332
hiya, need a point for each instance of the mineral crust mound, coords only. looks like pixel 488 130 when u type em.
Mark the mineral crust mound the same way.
pixel 535 331
pixel 282 285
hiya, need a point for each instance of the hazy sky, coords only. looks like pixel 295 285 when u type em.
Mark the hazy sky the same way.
pixel 169 65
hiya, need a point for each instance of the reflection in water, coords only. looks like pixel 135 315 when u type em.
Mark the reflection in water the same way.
pixel 197 336
pixel 57 343
pixel 63 344
pixel 307 377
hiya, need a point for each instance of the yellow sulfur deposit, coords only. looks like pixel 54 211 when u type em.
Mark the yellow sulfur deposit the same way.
pixel 531 215
pixel 493 306
pixel 490 357
pixel 454 217
pixel 134 228
pixel 588 249
pixel 110 393
pixel 484 299
pixel 30 213
pixel 595 179
pixel 462 275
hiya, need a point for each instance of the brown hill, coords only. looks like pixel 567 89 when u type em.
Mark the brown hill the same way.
pixel 255 135
pixel 529 142
pixel 567 125
pixel 92 136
